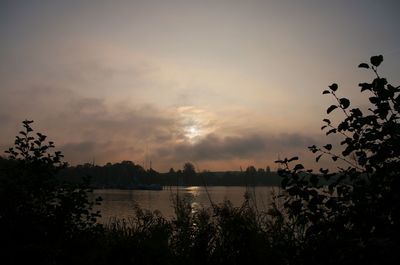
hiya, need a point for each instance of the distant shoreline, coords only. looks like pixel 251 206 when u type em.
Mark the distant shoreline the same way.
pixel 128 175
pixel 183 186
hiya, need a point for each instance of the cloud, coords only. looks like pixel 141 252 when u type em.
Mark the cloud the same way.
pixel 110 108
pixel 246 146
pixel 100 152
pixel 79 151
pixel 92 127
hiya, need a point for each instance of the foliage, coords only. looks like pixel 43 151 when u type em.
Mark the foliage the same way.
pixel 143 239
pixel 189 169
pixel 125 174
pixel 356 217
pixel 38 212
pixel 221 234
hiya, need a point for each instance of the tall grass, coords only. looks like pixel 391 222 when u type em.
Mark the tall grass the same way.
pixel 219 234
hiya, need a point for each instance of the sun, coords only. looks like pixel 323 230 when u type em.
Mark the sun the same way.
pixel 194 123
pixel 191 132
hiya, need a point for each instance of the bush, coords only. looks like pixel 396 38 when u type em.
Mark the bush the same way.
pixel 352 215
pixel 39 214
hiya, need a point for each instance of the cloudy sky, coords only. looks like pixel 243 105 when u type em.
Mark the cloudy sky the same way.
pixel 222 84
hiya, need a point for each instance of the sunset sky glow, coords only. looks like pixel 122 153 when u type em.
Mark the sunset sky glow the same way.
pixel 222 84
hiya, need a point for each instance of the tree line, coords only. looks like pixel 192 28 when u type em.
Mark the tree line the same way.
pixel 127 174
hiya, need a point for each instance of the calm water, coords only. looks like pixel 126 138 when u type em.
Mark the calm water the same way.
pixel 120 203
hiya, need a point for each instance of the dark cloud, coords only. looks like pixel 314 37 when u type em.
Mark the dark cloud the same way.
pixel 101 152
pixel 145 122
pixel 75 150
pixel 214 147
pixel 86 127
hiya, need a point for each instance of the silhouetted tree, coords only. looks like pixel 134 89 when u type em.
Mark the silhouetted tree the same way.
pixel 189 174
pixel 189 169
pixel 356 218
pixel 251 170
pixel 38 212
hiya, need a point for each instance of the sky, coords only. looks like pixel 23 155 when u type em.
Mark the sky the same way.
pixel 222 84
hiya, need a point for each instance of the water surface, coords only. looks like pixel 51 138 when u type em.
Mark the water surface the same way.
pixel 121 203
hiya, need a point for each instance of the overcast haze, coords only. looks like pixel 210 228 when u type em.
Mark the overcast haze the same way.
pixel 222 84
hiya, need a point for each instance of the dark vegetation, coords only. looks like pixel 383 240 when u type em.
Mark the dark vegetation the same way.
pixel 353 220
pixel 40 215
pixel 127 174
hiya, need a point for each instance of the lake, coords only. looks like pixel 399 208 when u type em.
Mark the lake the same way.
pixel 120 203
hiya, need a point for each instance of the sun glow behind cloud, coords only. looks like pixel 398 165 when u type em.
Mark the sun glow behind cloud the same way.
pixel 192 132
pixel 195 123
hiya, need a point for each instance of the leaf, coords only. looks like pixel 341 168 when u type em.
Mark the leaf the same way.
pixel 376 60
pixel 293 159
pixel 334 158
pixel 323 127
pixel 365 86
pixel 356 112
pixel 318 158
pixel 326 92
pixel 383 110
pixel 374 100
pixel 343 126
pixel 344 102
pixel 333 87
pixel 328 147
pixel 324 171
pixel 331 131
pixel 347 151
pixel 26 122
pixel 313 148
pixel 363 65
pixel 298 167
pixel 327 121
pixel 331 108
pixel 379 84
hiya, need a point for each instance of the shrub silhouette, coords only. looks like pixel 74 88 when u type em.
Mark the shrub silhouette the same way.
pixel 39 213
pixel 355 218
